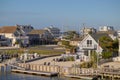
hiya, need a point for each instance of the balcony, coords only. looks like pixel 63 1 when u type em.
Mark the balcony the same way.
pixel 89 47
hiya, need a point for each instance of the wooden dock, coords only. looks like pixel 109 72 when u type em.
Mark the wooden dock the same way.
pixel 35 72
pixel 80 77
pixel 53 70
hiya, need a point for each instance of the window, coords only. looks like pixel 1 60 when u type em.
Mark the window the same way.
pixel 89 43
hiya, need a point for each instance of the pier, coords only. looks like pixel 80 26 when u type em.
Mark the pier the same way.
pixel 36 72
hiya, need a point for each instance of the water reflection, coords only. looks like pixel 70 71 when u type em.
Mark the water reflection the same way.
pixel 18 76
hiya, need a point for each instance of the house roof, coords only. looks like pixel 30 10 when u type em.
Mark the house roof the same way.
pixel 37 31
pixel 97 36
pixel 8 29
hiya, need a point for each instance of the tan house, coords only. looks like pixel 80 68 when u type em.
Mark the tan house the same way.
pixel 75 41
pixel 15 34
pixel 39 37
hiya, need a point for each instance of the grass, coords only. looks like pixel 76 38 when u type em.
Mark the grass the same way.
pixel 43 52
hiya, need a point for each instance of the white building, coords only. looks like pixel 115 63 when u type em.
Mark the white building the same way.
pixel 87 30
pixel 15 34
pixel 89 44
pixel 55 32
pixel 106 28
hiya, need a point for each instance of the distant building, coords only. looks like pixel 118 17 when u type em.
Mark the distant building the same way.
pixel 39 37
pixel 15 34
pixel 112 34
pixel 25 28
pixel 106 28
pixel 4 41
pixel 109 30
pixel 86 30
pixel 54 31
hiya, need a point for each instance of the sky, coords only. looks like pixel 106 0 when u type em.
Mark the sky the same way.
pixel 64 14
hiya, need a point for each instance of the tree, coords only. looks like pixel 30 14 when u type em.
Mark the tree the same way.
pixel 65 43
pixel 110 46
pixel 115 45
pixel 71 35
pixel 106 43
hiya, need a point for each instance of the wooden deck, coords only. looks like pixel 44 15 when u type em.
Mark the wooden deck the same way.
pixel 35 72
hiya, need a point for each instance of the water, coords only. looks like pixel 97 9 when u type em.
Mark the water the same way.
pixel 19 76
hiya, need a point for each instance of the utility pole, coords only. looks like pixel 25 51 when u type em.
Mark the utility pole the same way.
pixel 98 53
pixel 119 43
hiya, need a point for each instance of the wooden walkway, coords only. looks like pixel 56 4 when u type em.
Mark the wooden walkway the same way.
pixel 35 72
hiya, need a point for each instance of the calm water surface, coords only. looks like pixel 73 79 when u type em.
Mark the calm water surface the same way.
pixel 19 76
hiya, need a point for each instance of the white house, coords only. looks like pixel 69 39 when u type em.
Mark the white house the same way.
pixel 15 35
pixel 89 44
pixel 106 28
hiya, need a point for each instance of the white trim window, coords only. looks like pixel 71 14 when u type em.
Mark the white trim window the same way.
pixel 89 43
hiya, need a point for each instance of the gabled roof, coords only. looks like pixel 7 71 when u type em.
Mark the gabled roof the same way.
pixel 97 36
pixel 37 31
pixel 8 29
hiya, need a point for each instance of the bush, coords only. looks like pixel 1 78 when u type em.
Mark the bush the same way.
pixel 70 58
pixel 106 55
pixel 88 64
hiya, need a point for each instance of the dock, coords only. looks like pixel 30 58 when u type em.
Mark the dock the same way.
pixel 80 77
pixel 50 74
pixel 54 70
